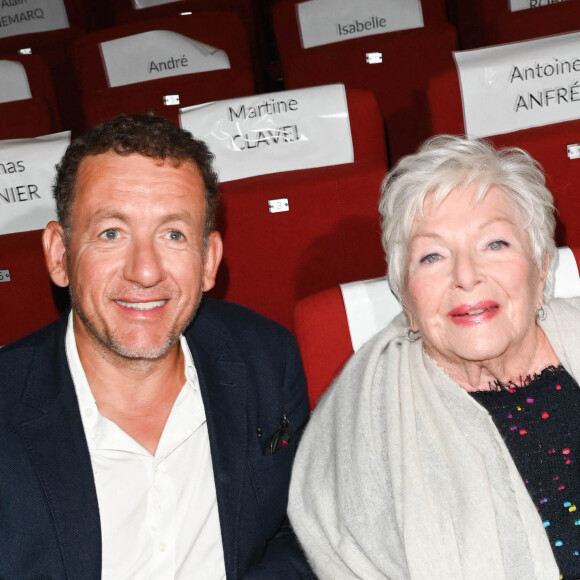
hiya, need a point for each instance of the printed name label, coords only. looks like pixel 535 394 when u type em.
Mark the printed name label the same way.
pixel 274 132
pixel 516 5
pixel 28 16
pixel 327 21
pixel 14 85
pixel 138 4
pixel 515 86
pixel 158 54
pixel 27 170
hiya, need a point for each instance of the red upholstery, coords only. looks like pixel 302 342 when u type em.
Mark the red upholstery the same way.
pixel 487 22
pixel 38 115
pixel 330 235
pixel 250 12
pixel 547 144
pixel 219 29
pixel 410 57
pixel 29 300
pixel 321 329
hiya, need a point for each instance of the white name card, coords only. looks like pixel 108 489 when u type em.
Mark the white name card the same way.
pixel 27 170
pixel 158 54
pixel 516 86
pixel 327 21
pixel 274 132
pixel 27 16
pixel 516 5
pixel 138 4
pixel 14 85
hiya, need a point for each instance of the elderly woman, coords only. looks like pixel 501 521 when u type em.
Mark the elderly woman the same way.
pixel 447 447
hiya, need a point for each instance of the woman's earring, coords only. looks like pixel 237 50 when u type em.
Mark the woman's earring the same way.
pixel 413 335
pixel 541 313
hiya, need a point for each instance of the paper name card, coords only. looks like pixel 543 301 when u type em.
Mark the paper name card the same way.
pixel 158 54
pixel 516 5
pixel 14 85
pixel 139 4
pixel 27 171
pixel 28 16
pixel 274 132
pixel 327 21
pixel 515 86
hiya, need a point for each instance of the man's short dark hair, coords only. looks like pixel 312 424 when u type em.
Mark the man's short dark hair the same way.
pixel 146 135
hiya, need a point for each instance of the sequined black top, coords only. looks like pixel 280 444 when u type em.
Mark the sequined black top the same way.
pixel 540 424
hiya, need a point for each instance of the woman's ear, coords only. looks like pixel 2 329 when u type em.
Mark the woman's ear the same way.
pixel 55 256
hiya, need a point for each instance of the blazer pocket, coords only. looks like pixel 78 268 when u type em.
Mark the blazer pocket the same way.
pixel 270 476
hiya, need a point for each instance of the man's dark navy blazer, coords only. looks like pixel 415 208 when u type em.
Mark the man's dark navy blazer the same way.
pixel 250 375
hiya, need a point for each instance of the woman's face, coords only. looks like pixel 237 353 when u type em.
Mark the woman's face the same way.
pixel 472 287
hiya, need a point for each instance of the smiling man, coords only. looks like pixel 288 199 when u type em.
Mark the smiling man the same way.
pixel 148 433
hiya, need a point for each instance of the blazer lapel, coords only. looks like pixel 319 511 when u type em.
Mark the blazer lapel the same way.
pixel 223 388
pixel 51 426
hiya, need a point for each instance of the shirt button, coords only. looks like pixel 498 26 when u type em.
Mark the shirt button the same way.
pixel 162 547
pixel 89 412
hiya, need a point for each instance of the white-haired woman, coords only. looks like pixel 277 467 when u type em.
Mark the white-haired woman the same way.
pixel 448 446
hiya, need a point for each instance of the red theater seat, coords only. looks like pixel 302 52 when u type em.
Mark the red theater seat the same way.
pixel 329 235
pixel 33 116
pixel 409 59
pixel 322 328
pixel 548 144
pixel 218 29
pixel 29 299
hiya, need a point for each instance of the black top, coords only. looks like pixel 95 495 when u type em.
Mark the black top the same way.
pixel 540 424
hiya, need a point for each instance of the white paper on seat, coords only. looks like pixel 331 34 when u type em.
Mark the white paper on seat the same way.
pixel 327 21
pixel 274 132
pixel 27 170
pixel 515 86
pixel 566 277
pixel 14 85
pixel 158 54
pixel 28 16
pixel 516 5
pixel 370 306
pixel 138 4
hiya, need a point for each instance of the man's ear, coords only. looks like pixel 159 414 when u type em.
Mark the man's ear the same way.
pixel 55 256
pixel 213 256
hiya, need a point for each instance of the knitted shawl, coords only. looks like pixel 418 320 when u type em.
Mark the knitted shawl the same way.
pixel 402 474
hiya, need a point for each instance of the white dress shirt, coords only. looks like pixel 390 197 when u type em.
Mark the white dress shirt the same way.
pixel 159 514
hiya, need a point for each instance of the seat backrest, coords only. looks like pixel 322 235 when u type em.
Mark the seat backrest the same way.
pixel 334 323
pixel 164 96
pixel 392 65
pixel 273 259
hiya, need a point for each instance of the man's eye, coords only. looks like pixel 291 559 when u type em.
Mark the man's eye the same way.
pixel 497 245
pixel 110 234
pixel 175 235
pixel 430 258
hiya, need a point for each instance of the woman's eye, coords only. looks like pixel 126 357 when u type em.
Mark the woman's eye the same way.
pixel 110 234
pixel 497 245
pixel 430 258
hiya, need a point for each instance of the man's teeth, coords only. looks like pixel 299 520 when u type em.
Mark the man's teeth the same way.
pixel 142 305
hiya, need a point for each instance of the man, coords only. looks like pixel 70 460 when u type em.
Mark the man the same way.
pixel 133 443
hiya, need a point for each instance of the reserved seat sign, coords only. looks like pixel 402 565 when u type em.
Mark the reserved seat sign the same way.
pixel 516 5
pixel 515 86
pixel 274 132
pixel 14 85
pixel 327 21
pixel 28 16
pixel 27 171
pixel 158 54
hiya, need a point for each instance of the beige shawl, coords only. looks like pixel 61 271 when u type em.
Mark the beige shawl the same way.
pixel 401 474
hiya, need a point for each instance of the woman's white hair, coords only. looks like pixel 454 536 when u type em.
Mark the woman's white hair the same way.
pixel 445 162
